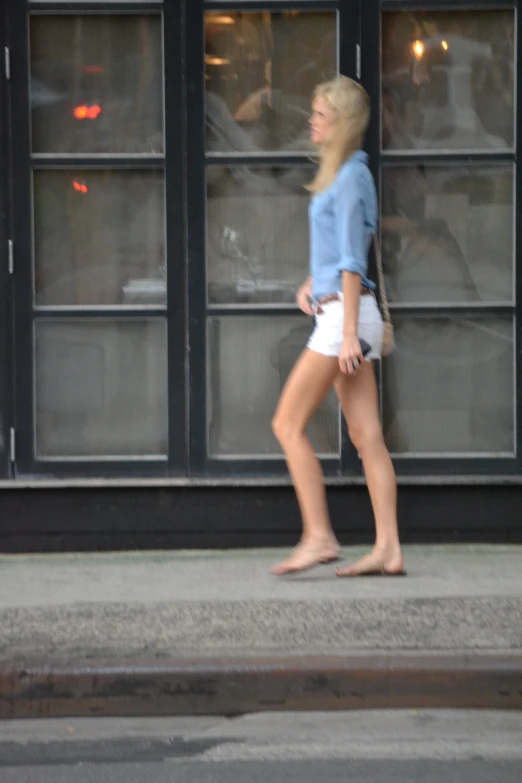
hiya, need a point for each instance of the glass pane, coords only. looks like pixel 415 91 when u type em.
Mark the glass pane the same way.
pixel 101 389
pixel 97 84
pixel 257 233
pixel 449 388
pixel 261 69
pixel 99 237
pixel 448 233
pixel 448 80
pixel 249 361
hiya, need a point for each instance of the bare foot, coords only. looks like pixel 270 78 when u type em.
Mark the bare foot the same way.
pixel 306 556
pixel 375 564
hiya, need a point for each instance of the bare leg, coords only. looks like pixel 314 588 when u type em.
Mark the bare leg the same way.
pixel 358 398
pixel 304 390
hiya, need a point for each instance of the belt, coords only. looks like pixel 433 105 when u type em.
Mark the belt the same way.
pixel 317 308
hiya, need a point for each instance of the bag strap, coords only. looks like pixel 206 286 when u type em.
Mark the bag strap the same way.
pixel 380 278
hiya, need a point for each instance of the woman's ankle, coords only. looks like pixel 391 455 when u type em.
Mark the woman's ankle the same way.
pixel 388 547
pixel 318 539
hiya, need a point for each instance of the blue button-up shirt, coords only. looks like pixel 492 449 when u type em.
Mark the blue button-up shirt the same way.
pixel 342 220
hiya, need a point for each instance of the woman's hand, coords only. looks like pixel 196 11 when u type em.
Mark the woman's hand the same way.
pixel 304 294
pixel 350 355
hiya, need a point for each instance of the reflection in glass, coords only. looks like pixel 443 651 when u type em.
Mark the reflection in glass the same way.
pixel 249 361
pixel 99 237
pixel 448 80
pixel 261 69
pixel 101 388
pixel 449 387
pixel 257 233
pixel 447 233
pixel 96 84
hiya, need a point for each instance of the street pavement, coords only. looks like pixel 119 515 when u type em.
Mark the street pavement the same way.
pixel 363 747
pixel 139 611
pixel 465 598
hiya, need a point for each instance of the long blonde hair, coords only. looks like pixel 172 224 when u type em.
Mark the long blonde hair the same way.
pixel 351 105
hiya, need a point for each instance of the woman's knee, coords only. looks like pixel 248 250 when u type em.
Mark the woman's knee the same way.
pixel 365 438
pixel 283 428
pixel 277 425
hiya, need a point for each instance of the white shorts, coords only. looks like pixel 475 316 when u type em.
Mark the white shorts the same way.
pixel 327 336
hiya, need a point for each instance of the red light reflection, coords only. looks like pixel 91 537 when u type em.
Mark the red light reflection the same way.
pixel 87 112
pixel 80 187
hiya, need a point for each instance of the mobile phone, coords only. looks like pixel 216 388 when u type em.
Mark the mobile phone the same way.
pixel 365 347
pixel 365 350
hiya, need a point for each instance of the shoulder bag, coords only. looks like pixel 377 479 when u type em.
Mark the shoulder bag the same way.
pixel 388 337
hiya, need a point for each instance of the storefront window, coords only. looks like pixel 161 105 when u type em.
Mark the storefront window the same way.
pixel 448 233
pixel 99 237
pixel 101 389
pixel 260 71
pixel 97 84
pixel 250 359
pixel 448 80
pixel 449 388
pixel 257 233
pixel 108 195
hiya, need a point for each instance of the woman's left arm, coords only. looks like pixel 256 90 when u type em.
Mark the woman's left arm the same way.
pixel 351 234
pixel 350 355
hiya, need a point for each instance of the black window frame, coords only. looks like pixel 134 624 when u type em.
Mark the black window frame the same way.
pixel 26 312
pixel 371 31
pixel 201 463
pixel 6 299
pixel 185 161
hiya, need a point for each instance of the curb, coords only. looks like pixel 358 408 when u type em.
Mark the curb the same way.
pixel 226 686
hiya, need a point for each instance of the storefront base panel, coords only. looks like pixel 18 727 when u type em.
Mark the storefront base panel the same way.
pixel 108 519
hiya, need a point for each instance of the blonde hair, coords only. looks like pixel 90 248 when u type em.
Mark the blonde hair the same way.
pixel 351 105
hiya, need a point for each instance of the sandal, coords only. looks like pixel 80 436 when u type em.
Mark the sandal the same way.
pixel 368 566
pixel 341 572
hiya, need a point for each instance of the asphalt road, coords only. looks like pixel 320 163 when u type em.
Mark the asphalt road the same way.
pixel 362 747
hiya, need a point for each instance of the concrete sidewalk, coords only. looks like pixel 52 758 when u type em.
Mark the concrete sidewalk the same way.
pixel 149 633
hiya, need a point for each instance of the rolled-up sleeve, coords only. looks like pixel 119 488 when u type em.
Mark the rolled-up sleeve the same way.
pixel 351 230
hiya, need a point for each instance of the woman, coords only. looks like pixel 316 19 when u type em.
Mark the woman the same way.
pixel 343 217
